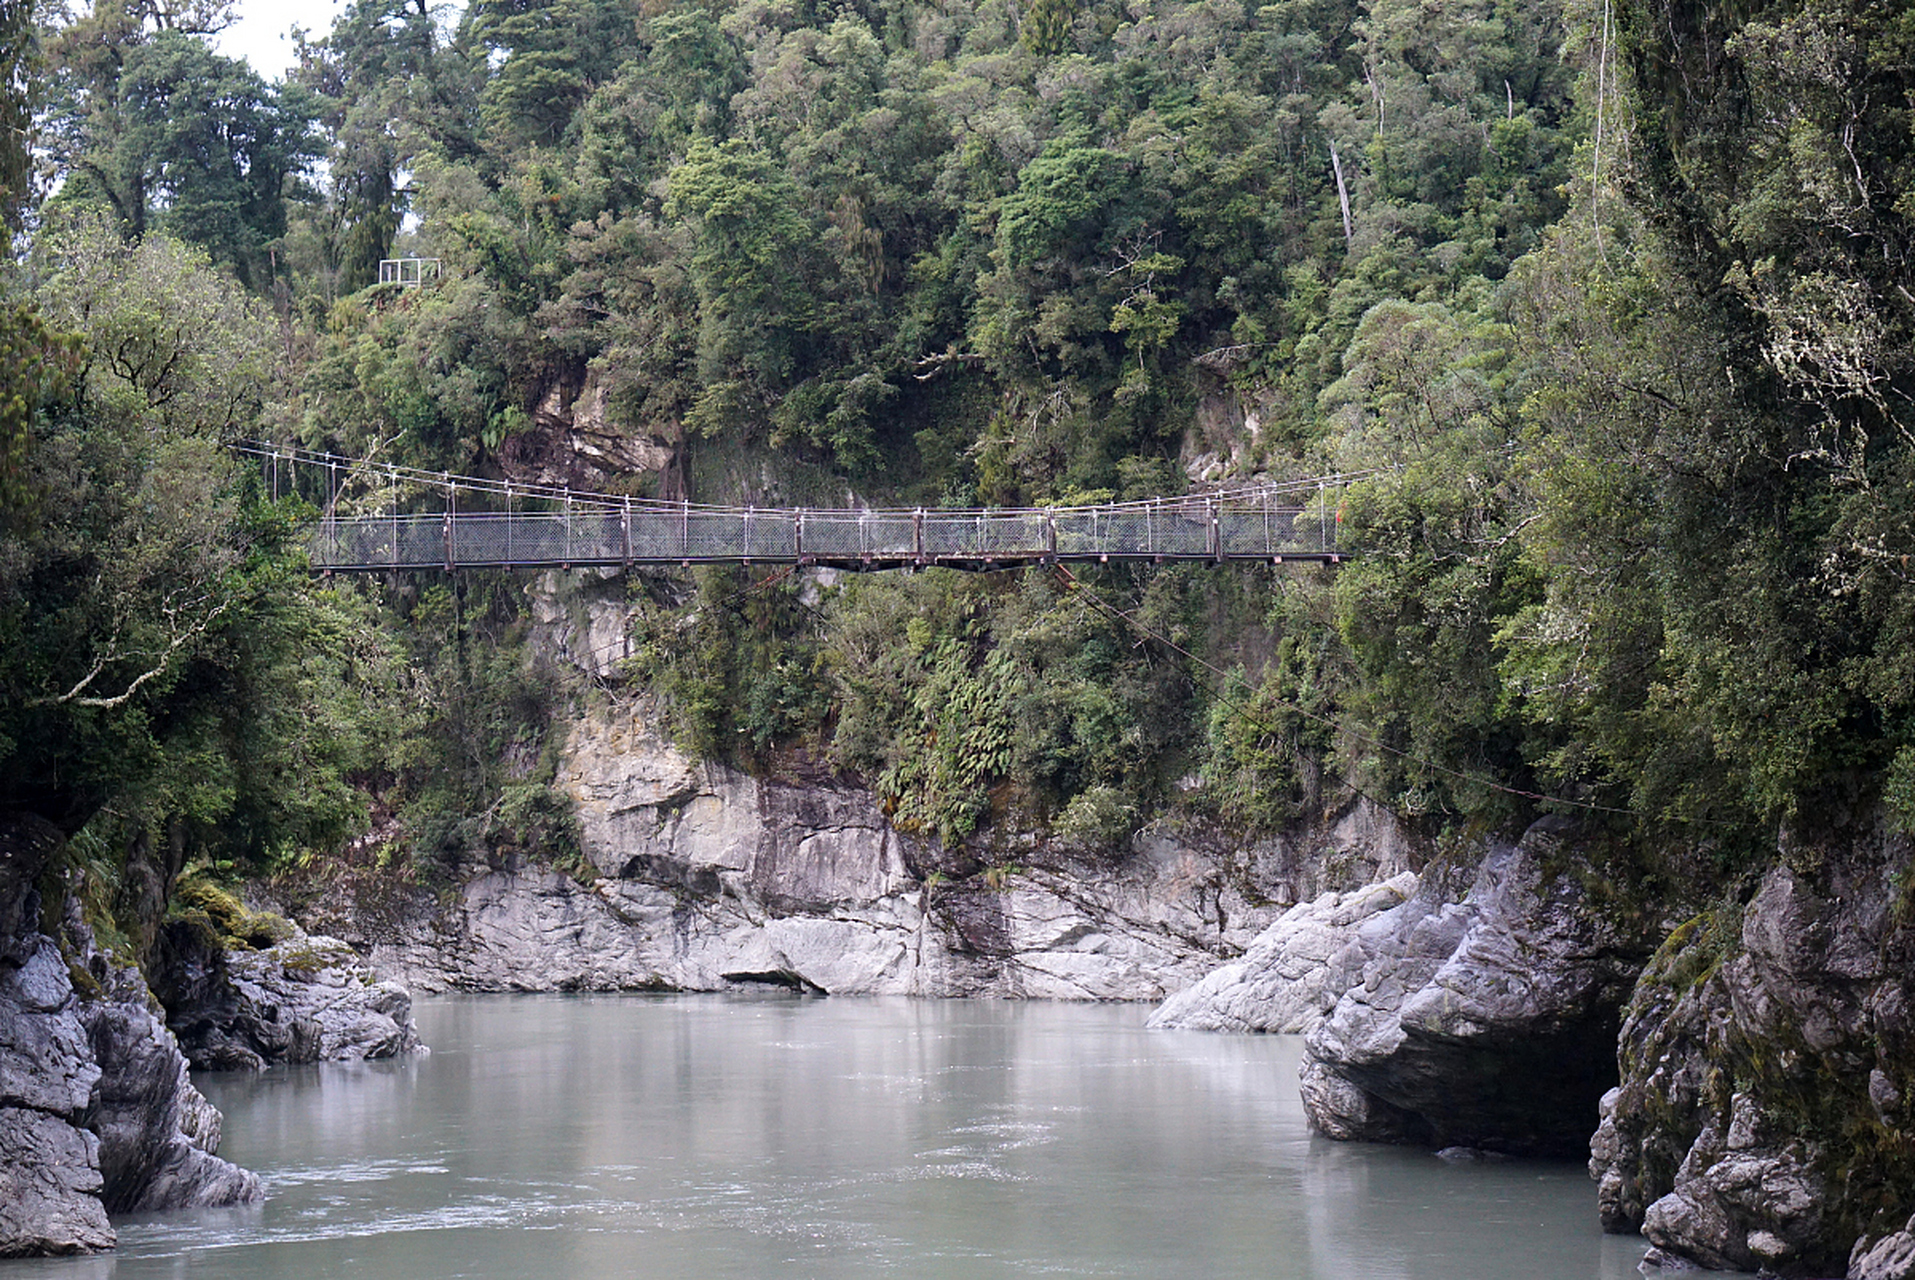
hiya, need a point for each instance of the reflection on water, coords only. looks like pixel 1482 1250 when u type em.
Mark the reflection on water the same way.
pixel 742 1137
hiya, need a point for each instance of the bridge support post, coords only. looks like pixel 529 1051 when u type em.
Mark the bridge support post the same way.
pixel 625 536
pixel 452 509
pixel 332 511
pixel 1216 528
pixel 917 536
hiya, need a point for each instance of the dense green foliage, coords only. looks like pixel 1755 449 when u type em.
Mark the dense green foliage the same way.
pixel 1612 301
pixel 173 685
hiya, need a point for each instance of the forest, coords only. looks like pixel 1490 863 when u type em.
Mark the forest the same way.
pixel 1612 297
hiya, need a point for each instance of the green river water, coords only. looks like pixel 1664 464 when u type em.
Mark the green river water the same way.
pixel 708 1137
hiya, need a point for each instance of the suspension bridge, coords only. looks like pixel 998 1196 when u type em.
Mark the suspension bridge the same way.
pixel 376 517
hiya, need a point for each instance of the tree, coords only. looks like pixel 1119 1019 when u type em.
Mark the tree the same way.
pixel 753 248
pixel 19 65
pixel 372 76
pixel 551 55
pixel 133 565
pixel 149 122
pixel 37 365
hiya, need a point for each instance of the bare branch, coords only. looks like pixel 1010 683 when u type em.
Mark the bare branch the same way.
pixel 929 367
pixel 73 696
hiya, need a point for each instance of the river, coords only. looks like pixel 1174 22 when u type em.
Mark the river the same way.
pixel 712 1137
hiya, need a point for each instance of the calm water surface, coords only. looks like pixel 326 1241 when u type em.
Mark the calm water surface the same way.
pixel 711 1137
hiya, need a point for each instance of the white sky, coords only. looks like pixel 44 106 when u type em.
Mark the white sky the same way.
pixel 260 36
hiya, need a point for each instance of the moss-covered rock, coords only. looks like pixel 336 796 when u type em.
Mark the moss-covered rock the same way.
pixel 1762 1117
pixel 237 1004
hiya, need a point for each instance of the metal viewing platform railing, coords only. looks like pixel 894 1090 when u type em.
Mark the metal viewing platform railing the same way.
pixel 541 527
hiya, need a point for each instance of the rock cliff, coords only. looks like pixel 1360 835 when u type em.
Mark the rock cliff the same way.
pixel 1479 1012
pixel 96 1111
pixel 1767 1055
pixel 704 878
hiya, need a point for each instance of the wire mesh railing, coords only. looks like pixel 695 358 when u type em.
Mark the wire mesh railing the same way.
pixel 364 526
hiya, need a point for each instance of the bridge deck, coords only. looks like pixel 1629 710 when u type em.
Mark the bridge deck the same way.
pixel 378 517
pixel 1184 530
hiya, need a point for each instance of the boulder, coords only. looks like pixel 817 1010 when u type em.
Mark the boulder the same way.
pixel 1287 980
pixel 1481 1012
pixel 157 1133
pixel 305 998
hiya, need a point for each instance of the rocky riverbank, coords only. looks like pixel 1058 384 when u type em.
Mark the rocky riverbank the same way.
pixel 245 990
pixel 1745 1073
pixel 97 1113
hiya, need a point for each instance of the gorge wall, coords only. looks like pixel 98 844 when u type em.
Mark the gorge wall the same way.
pixel 701 878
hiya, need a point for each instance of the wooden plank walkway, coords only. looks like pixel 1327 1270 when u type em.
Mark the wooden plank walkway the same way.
pixel 489 524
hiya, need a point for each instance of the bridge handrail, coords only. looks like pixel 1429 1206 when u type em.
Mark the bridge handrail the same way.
pixel 393 473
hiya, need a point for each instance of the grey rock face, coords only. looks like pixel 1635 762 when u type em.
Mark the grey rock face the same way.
pixel 1287 980
pixel 1766 1052
pixel 157 1133
pixel 49 1162
pixel 96 1112
pixel 50 1182
pixel 709 878
pixel 1481 1012
pixel 1892 1257
pixel 49 1187
pixel 306 999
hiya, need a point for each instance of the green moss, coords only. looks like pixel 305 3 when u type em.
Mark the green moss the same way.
pixel 85 985
pixel 999 878
pixel 308 960
pixel 231 925
pixel 1695 949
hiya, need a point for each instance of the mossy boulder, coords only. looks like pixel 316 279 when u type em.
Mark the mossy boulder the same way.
pixel 245 990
